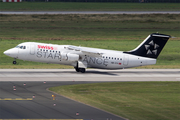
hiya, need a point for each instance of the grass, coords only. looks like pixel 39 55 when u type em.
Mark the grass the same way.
pixel 116 32
pixel 132 100
pixel 83 6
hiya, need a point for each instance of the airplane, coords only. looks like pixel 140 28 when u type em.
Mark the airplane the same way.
pixel 85 57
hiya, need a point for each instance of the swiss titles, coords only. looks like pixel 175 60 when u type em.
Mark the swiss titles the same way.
pixel 47 47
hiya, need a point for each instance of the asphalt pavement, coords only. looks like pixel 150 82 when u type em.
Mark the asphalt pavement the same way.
pixel 24 94
pixel 31 100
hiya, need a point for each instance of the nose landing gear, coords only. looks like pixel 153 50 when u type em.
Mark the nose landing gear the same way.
pixel 14 62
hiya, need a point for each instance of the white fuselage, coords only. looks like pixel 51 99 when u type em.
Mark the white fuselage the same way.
pixel 61 54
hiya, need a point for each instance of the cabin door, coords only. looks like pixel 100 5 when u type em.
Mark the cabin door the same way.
pixel 32 49
pixel 126 60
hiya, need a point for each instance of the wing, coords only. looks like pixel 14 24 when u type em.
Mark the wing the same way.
pixel 87 51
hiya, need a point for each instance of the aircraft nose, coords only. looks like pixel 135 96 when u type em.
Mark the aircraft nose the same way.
pixel 7 52
pixel 12 52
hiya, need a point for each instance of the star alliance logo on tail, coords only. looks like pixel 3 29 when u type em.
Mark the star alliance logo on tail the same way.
pixel 151 51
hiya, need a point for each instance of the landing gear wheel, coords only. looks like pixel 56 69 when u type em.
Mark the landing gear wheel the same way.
pixel 14 62
pixel 77 70
pixel 83 70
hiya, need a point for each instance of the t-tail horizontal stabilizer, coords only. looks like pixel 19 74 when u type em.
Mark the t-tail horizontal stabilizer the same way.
pixel 151 46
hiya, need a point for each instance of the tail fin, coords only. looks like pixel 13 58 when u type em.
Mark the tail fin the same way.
pixel 151 46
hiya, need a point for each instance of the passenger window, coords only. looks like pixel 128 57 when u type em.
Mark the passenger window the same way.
pixel 109 58
pixel 24 47
pixel 106 57
pixel 46 50
pixel 59 51
pixel 117 58
pixel 112 57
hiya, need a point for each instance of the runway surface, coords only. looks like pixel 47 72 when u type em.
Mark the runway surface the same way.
pixel 32 101
pixel 90 75
pixel 89 12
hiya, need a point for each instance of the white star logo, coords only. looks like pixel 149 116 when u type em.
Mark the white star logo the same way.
pixel 156 46
pixel 151 43
pixel 147 47
pixel 153 51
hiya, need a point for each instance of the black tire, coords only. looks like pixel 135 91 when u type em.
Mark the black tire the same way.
pixel 14 62
pixel 77 69
pixel 82 70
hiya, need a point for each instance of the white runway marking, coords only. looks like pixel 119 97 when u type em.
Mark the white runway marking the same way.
pixel 90 75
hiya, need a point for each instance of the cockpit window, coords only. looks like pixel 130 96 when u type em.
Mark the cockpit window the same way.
pixel 21 47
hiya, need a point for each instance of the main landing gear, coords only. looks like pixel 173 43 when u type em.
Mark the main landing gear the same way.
pixel 14 62
pixel 82 70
